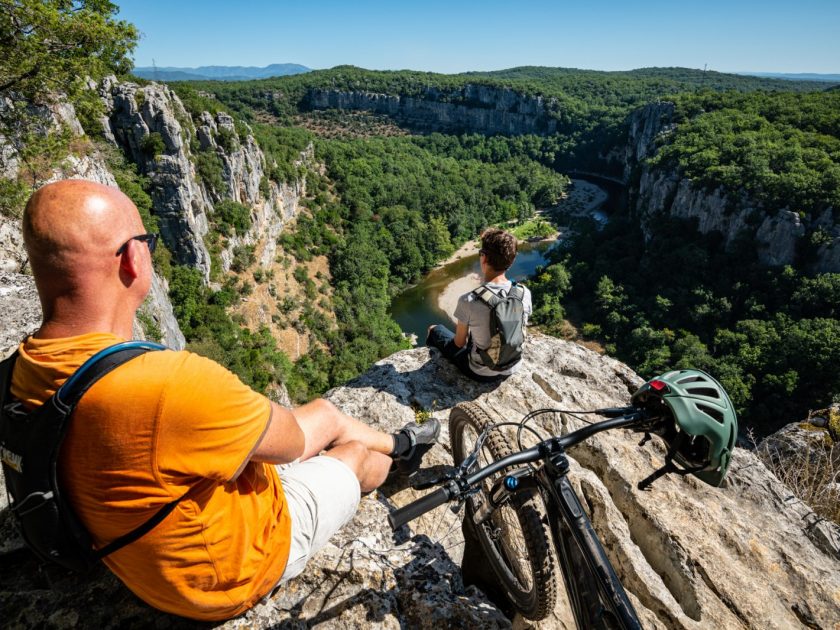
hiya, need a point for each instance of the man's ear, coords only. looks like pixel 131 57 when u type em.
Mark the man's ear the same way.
pixel 130 259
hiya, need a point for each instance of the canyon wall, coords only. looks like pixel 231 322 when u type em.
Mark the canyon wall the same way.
pixel 474 108
pixel 779 234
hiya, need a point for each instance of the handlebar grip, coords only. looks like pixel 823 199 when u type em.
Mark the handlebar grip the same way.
pixel 415 509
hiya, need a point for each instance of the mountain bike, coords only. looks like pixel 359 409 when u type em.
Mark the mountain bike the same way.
pixel 520 502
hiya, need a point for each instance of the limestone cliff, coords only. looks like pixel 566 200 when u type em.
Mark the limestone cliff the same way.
pixel 660 190
pixel 180 202
pixel 244 172
pixel 476 108
pixel 691 556
pixel 183 203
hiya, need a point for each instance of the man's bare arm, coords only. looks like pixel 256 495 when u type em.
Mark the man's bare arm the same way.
pixel 461 334
pixel 283 441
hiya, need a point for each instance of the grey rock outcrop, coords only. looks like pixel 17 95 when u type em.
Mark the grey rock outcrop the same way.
pixel 181 204
pixel 645 127
pixel 272 204
pixel 691 556
pixel 13 257
pixel 21 313
pixel 155 319
pixel 479 108
pixel 660 190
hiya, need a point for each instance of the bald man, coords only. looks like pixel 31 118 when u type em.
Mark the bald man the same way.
pixel 261 487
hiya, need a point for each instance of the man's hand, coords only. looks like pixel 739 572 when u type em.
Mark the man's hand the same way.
pixel 283 441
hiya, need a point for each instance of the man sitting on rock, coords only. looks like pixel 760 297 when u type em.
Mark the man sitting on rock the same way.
pixel 169 425
pixel 487 342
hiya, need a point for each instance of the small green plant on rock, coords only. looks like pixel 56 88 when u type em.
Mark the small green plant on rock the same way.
pixel 153 145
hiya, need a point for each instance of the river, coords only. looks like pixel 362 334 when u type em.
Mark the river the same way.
pixel 418 306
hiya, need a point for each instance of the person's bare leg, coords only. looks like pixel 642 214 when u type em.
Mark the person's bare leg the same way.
pixel 324 425
pixel 371 468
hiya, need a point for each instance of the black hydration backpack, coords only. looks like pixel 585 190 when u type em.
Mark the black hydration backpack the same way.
pixel 30 442
pixel 507 327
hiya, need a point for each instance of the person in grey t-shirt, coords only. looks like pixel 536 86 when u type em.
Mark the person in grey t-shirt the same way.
pixel 498 251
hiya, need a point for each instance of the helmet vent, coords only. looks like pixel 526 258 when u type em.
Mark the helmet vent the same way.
pixel 694 378
pixel 709 392
pixel 711 412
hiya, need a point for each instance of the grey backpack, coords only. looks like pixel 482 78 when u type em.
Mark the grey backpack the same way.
pixel 507 326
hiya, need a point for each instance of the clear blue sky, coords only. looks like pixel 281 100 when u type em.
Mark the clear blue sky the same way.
pixel 453 36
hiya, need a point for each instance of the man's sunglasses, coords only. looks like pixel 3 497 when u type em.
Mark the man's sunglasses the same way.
pixel 150 240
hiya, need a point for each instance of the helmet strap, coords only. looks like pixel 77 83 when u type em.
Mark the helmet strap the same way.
pixel 669 467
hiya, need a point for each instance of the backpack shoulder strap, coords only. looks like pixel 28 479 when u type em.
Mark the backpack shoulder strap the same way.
pixel 517 291
pixel 68 396
pixel 98 366
pixel 487 296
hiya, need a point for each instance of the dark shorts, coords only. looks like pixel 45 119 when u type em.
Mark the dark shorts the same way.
pixel 442 338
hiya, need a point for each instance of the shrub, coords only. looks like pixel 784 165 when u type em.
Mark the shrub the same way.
pixel 208 167
pixel 243 257
pixel 152 145
pixel 231 216
pixel 227 140
pixel 150 326
pixel 300 274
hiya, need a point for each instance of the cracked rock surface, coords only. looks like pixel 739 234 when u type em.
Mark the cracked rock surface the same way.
pixel 691 556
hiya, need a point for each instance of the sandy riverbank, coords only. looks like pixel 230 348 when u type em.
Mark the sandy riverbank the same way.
pixel 448 299
pixel 470 248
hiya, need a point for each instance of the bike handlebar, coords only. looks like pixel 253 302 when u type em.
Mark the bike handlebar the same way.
pixel 453 489
pixel 416 509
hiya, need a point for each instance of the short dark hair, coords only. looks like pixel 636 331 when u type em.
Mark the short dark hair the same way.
pixel 499 247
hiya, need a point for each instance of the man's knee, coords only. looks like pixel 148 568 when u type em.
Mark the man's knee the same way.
pixel 352 453
pixel 324 407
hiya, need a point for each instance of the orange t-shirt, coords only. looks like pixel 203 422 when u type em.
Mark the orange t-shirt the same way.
pixel 160 426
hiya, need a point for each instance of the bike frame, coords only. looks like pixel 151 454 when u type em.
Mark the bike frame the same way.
pixel 571 529
pixel 570 526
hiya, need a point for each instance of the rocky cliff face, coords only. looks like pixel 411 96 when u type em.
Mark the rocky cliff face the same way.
pixel 181 203
pixel 661 191
pixel 477 108
pixel 244 172
pixel 691 556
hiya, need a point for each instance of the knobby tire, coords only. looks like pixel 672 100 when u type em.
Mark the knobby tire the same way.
pixel 523 519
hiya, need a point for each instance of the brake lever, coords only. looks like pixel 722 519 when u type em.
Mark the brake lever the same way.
pixel 468 463
pixel 449 475
pixel 457 505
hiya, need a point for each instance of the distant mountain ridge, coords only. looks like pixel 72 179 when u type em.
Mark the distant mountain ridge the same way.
pixel 795 76
pixel 218 73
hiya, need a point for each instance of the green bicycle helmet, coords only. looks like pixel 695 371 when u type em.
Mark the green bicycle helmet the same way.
pixel 701 423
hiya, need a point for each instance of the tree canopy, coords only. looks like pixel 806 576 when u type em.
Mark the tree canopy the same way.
pixel 47 46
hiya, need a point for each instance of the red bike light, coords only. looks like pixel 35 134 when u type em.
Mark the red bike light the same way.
pixel 658 386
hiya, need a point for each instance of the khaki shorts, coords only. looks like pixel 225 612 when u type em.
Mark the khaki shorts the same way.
pixel 322 495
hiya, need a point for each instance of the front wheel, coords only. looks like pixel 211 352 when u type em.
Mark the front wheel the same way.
pixel 515 538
